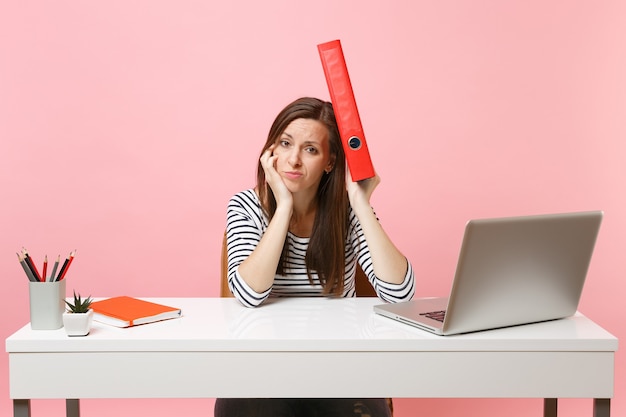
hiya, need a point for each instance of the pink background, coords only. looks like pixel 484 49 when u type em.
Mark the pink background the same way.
pixel 126 126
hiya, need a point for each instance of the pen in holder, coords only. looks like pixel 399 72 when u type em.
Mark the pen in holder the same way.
pixel 47 304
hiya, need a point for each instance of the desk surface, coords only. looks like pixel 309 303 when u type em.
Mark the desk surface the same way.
pixel 297 324
pixel 222 349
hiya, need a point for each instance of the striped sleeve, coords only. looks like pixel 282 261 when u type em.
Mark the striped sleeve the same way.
pixel 245 224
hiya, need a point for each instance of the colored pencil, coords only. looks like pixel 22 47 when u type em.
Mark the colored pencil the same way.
pixel 54 268
pixel 27 270
pixel 31 265
pixel 66 266
pixel 45 268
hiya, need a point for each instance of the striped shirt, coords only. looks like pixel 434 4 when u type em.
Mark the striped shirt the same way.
pixel 245 225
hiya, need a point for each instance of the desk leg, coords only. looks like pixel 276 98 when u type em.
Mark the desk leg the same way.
pixel 72 408
pixel 550 407
pixel 21 408
pixel 601 407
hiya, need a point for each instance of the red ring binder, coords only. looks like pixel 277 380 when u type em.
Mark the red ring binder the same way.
pixel 346 112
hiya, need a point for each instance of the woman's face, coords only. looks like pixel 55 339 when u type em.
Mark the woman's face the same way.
pixel 303 154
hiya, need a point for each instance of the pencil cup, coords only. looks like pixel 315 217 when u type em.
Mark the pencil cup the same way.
pixel 47 304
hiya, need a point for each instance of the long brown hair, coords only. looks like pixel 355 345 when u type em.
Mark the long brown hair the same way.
pixel 326 252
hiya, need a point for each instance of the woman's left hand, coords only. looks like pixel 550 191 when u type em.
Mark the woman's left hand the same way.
pixel 360 192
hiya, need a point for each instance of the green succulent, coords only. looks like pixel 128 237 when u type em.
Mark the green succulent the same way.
pixel 80 305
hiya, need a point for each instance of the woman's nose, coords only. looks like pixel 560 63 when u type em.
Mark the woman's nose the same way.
pixel 294 158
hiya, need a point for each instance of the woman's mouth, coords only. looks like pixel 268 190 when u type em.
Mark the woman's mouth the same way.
pixel 293 175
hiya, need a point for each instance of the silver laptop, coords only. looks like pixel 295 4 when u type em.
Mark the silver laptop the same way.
pixel 510 271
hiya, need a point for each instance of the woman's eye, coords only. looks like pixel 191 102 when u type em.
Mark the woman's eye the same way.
pixel 311 149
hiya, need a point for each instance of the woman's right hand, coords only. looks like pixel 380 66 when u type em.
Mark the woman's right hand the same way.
pixel 273 178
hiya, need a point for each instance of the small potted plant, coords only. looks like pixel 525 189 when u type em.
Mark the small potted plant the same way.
pixel 78 316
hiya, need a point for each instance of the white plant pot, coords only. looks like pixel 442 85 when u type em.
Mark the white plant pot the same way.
pixel 77 324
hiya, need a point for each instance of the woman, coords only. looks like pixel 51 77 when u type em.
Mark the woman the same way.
pixel 302 230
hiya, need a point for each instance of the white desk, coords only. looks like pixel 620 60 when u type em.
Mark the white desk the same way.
pixel 311 341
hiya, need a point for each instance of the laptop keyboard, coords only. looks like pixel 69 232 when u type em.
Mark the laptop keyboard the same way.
pixel 435 315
